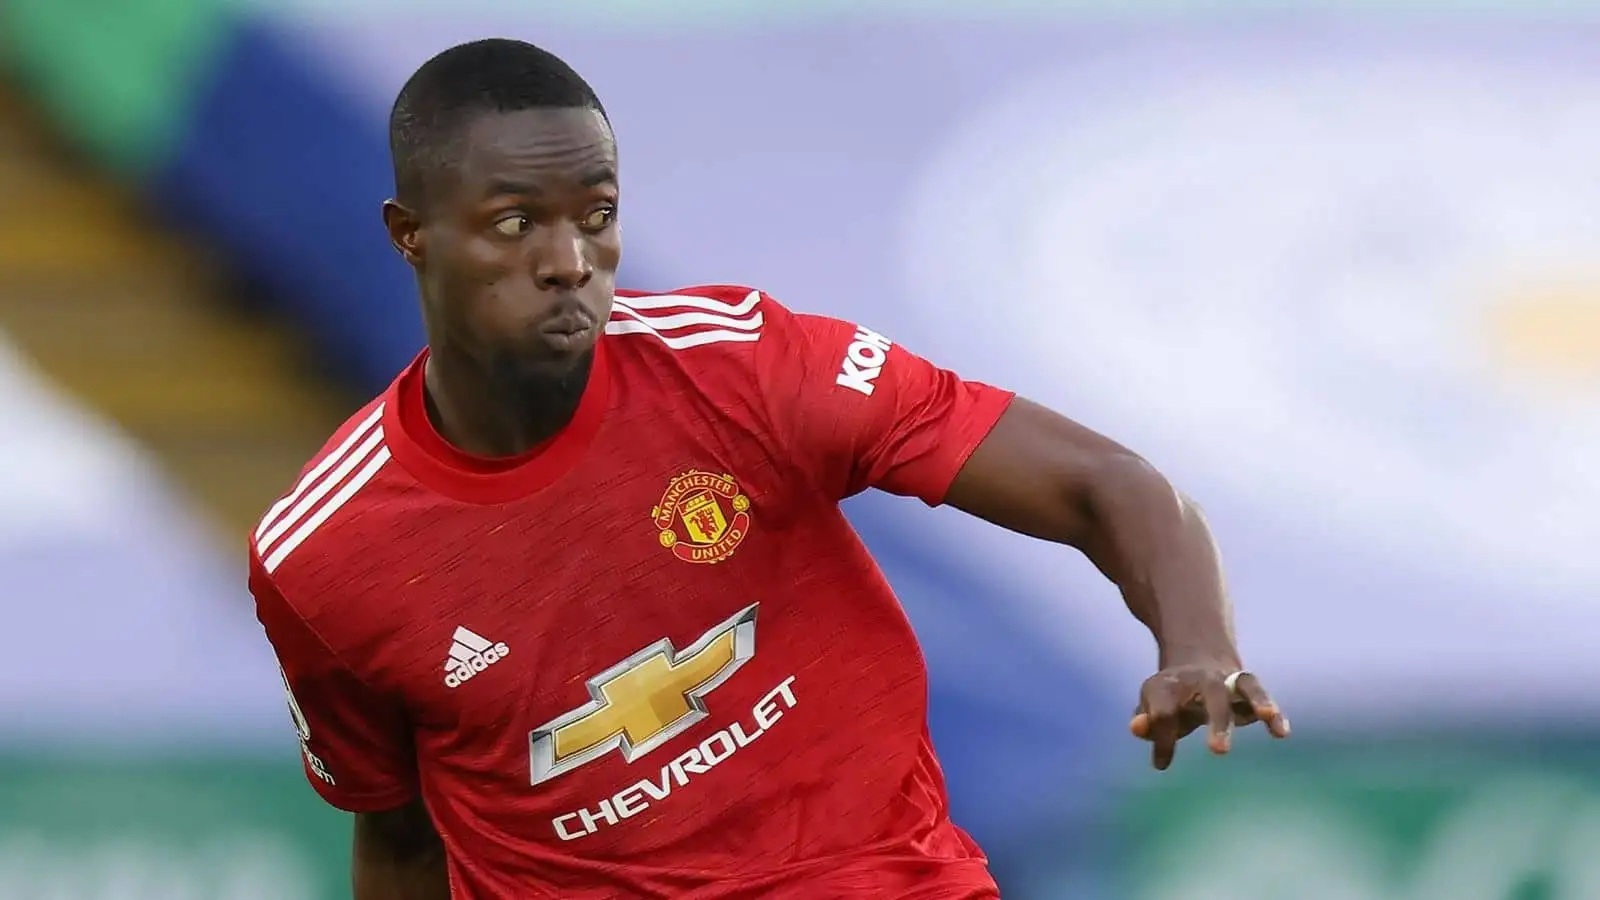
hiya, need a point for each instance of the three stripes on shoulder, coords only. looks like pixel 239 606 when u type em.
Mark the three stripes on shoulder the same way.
pixel 319 494
pixel 682 321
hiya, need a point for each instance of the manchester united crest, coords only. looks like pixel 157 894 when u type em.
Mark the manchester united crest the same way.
pixel 702 517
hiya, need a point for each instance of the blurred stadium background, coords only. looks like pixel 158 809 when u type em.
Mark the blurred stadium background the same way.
pixel 1335 266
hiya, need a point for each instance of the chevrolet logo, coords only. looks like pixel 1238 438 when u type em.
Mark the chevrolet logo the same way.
pixel 644 701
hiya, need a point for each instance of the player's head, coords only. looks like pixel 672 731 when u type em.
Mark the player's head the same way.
pixel 506 196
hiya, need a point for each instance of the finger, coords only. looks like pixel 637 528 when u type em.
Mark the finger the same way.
pixel 1163 742
pixel 1219 713
pixel 1161 708
pixel 1140 725
pixel 1249 690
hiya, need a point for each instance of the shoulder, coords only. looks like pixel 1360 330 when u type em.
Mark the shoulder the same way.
pixel 682 320
pixel 311 521
pixel 725 324
pixel 736 341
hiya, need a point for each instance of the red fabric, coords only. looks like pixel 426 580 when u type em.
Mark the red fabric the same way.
pixel 803 769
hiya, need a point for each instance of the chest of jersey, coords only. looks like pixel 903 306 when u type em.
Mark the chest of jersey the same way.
pixel 638 648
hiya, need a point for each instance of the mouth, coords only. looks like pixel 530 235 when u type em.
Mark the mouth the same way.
pixel 567 329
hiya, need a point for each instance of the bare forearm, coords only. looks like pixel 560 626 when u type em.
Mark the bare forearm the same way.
pixel 1156 546
pixel 387 880
pixel 1044 475
pixel 398 856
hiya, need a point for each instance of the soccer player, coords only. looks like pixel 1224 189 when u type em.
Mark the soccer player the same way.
pixel 570 610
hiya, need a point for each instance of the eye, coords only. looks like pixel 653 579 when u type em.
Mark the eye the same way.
pixel 600 218
pixel 512 226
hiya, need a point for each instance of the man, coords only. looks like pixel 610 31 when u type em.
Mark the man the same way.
pixel 571 610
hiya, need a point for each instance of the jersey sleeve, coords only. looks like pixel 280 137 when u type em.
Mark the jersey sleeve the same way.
pixel 853 410
pixel 355 742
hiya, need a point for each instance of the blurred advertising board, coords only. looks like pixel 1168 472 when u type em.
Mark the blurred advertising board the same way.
pixel 1464 816
pixel 186 829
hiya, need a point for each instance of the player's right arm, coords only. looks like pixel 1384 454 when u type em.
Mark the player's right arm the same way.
pixel 358 754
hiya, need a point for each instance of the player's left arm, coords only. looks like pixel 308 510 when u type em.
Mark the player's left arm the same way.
pixel 1039 473
pixel 856 411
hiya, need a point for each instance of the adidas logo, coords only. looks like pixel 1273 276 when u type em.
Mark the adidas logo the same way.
pixel 470 654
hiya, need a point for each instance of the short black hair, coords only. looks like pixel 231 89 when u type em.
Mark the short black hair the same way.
pixel 450 90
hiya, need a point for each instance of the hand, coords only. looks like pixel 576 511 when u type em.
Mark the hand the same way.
pixel 1179 699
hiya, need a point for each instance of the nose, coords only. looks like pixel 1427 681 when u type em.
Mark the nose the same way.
pixel 561 261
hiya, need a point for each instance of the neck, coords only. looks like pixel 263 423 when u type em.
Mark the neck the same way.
pixel 490 414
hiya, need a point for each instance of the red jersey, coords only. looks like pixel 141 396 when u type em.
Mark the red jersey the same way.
pixel 650 658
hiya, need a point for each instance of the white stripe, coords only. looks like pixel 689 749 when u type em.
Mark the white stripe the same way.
pixel 666 301
pixel 475 641
pixel 459 653
pixel 327 484
pixel 332 506
pixel 684 320
pixel 684 342
pixel 327 462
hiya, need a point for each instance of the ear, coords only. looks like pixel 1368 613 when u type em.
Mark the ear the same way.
pixel 405 231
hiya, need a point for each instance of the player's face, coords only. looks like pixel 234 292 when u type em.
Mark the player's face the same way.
pixel 518 248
